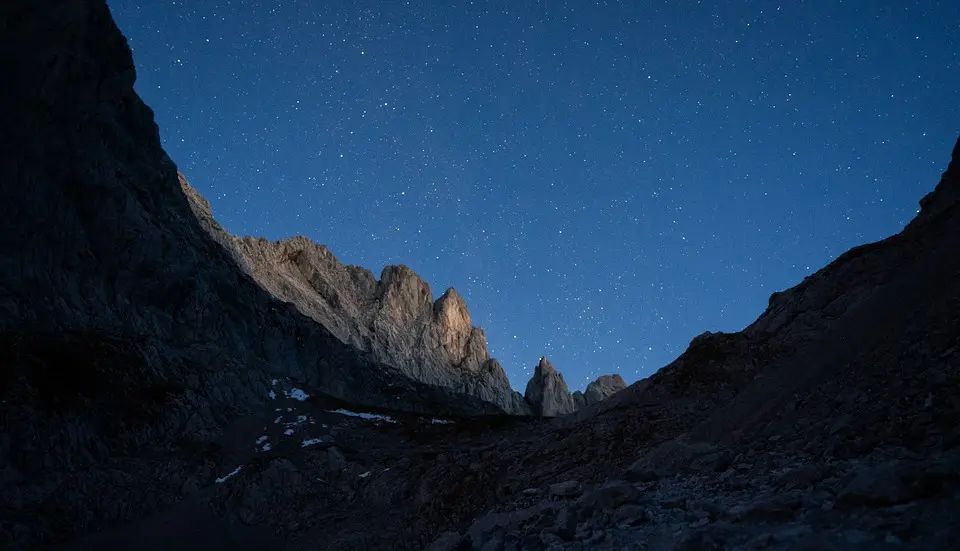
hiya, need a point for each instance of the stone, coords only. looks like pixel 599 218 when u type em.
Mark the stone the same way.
pixel 610 495
pixel 775 508
pixel 136 336
pixel 482 529
pixel 630 515
pixel 791 532
pixel 640 471
pixel 566 523
pixel 676 502
pixel 446 541
pixel 800 476
pixel 874 486
pixel 568 488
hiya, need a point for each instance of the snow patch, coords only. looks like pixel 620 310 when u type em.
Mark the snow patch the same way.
pixel 226 477
pixel 288 432
pixel 298 394
pixel 301 419
pixel 371 416
pixel 310 442
pixel 441 422
pixel 261 440
pixel 267 447
pixel 365 475
pixel 272 395
pixel 277 420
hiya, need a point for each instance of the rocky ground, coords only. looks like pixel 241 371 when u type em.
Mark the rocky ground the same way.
pixel 891 499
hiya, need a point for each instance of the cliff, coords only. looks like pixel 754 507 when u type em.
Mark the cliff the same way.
pixel 394 318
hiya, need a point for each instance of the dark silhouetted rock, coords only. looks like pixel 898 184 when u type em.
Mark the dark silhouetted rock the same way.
pixel 547 392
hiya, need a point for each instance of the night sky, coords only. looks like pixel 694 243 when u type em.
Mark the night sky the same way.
pixel 601 181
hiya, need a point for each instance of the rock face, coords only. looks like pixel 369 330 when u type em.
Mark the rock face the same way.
pixel 547 392
pixel 604 387
pixel 548 396
pixel 394 318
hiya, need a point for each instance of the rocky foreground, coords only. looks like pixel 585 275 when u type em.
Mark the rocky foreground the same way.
pixel 156 393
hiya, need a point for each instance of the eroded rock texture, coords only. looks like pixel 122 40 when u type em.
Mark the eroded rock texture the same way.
pixel 547 392
pixel 394 318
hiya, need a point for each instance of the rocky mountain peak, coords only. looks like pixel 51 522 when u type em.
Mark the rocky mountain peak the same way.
pixel 394 318
pixel 547 392
pixel 403 295
pixel 947 192
pixel 459 338
pixel 545 368
pixel 548 395
pixel 604 387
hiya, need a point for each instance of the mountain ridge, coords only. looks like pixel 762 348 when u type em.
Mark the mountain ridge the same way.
pixel 395 317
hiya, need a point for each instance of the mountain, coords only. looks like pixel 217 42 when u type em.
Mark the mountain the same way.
pixel 394 318
pixel 156 395
pixel 548 395
pixel 127 330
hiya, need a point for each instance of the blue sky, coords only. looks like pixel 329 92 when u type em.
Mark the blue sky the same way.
pixel 602 181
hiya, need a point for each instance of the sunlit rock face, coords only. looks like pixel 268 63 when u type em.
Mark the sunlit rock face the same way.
pixel 395 318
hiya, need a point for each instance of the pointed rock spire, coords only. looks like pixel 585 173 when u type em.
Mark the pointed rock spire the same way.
pixel 547 392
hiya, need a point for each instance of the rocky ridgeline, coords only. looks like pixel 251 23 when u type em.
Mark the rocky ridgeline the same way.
pixel 548 395
pixel 828 424
pixel 394 318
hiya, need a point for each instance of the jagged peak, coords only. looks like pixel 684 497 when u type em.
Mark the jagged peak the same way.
pixel 451 304
pixel 544 368
pixel 303 243
pixel 399 274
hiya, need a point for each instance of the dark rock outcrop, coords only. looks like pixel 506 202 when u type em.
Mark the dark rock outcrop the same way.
pixel 829 423
pixel 394 318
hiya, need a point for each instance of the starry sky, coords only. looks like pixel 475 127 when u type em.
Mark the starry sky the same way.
pixel 602 181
